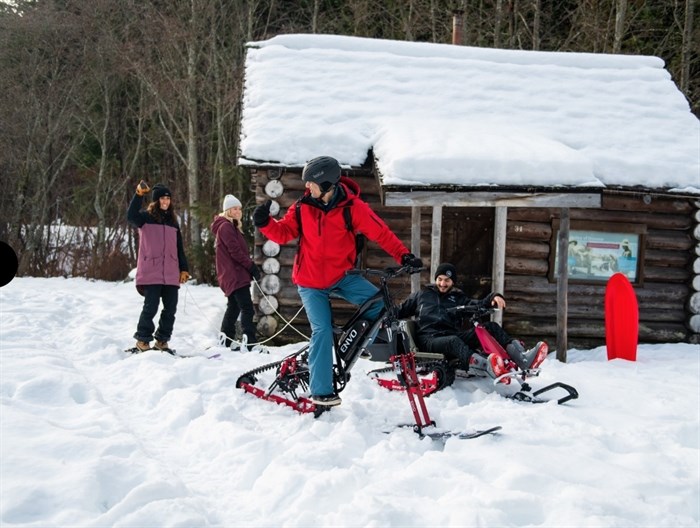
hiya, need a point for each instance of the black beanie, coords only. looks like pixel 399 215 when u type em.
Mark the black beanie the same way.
pixel 446 269
pixel 160 190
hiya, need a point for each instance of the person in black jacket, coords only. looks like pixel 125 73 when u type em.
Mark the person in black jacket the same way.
pixel 440 327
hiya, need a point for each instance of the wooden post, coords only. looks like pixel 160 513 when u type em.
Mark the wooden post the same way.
pixel 415 245
pixel 457 31
pixel 563 285
pixel 499 256
pixel 435 239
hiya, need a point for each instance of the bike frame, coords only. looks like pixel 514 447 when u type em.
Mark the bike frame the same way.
pixel 349 343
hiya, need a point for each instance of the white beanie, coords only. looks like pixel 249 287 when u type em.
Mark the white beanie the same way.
pixel 231 201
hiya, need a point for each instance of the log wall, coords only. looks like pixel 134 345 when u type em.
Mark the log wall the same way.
pixel 664 296
pixel 669 297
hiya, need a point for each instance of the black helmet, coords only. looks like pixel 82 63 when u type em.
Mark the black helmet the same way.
pixel 323 171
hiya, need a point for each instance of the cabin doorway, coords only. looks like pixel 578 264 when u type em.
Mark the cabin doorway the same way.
pixel 467 242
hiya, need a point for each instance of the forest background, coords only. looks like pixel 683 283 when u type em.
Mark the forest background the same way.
pixel 96 95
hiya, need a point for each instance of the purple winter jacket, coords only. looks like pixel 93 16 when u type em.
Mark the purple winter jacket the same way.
pixel 232 258
pixel 161 255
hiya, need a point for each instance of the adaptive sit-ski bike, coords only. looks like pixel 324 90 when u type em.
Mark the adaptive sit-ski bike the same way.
pixel 351 341
pixel 436 372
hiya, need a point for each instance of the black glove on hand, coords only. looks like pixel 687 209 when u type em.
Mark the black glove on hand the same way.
pixel 255 272
pixel 261 215
pixel 409 259
pixel 487 301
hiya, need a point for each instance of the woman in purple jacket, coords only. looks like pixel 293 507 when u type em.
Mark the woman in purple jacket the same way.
pixel 234 270
pixel 162 265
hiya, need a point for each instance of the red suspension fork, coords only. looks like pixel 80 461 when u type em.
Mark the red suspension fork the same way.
pixel 405 368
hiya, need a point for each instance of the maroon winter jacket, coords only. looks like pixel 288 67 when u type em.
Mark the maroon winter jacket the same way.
pixel 232 258
pixel 326 246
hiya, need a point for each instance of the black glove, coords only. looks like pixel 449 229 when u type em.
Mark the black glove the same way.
pixel 409 259
pixel 261 215
pixel 487 301
pixel 255 272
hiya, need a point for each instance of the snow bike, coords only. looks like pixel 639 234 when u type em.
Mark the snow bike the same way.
pixel 437 372
pixel 351 341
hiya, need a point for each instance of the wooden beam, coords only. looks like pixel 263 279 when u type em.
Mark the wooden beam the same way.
pixel 491 199
pixel 499 255
pixel 415 245
pixel 563 285
pixel 436 237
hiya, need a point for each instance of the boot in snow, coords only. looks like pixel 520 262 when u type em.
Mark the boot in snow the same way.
pixel 527 359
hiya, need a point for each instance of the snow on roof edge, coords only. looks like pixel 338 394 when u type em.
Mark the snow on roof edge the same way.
pixel 301 41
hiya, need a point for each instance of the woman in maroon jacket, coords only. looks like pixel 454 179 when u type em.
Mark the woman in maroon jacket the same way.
pixel 234 270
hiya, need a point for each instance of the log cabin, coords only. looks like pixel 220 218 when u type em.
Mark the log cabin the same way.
pixel 538 174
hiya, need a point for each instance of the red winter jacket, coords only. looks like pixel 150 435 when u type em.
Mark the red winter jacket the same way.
pixel 232 259
pixel 326 247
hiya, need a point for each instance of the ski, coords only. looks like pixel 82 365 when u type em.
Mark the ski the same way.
pixel 526 395
pixel 478 433
pixel 170 351
pixel 444 435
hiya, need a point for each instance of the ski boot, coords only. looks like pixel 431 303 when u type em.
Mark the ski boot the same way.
pixel 527 359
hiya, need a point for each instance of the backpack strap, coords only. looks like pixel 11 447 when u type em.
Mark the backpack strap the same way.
pixel 297 210
pixel 359 237
pixel 347 215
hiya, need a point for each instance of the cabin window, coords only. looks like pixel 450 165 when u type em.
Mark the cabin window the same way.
pixel 598 250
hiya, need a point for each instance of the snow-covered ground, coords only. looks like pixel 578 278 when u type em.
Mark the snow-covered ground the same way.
pixel 93 437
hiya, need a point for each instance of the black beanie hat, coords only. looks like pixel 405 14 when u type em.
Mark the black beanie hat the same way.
pixel 160 190
pixel 446 269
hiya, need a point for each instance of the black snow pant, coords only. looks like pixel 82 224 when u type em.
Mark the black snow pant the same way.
pixel 461 346
pixel 239 302
pixel 153 294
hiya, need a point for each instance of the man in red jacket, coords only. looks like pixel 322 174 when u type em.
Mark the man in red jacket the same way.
pixel 326 250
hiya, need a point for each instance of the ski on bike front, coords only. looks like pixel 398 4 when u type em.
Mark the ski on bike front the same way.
pixel 432 432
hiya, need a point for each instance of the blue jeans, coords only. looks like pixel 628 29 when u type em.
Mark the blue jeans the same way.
pixel 354 289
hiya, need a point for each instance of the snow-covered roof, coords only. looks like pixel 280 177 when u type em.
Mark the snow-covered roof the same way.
pixel 456 115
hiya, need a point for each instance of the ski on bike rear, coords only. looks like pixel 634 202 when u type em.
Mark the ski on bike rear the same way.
pixel 290 382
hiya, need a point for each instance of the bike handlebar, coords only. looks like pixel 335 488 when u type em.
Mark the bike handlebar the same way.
pixel 473 309
pixel 388 273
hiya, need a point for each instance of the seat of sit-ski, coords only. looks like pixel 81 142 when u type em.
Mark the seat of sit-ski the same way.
pixel 382 349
